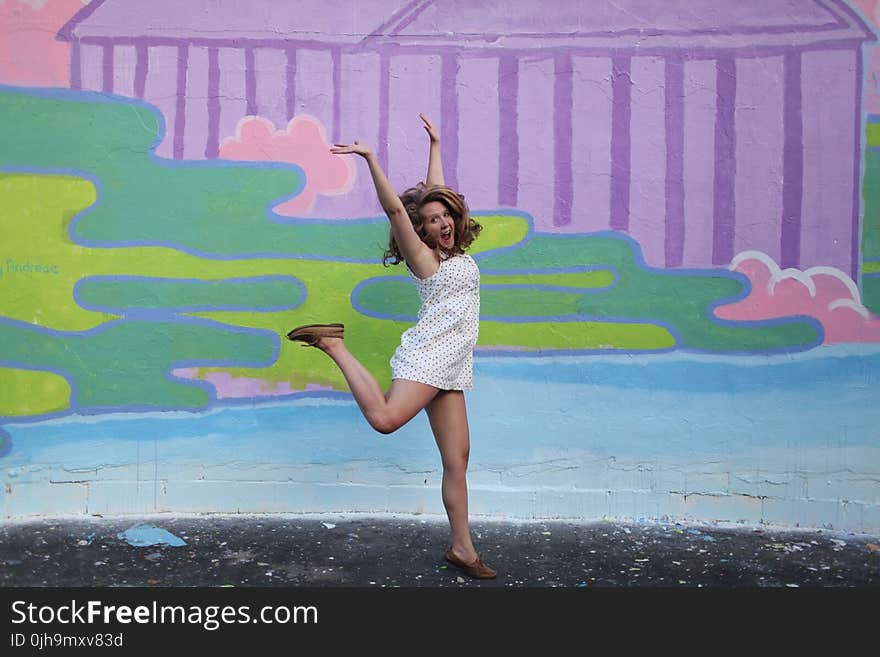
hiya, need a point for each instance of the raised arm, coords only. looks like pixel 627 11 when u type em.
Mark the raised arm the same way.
pixel 420 258
pixel 435 164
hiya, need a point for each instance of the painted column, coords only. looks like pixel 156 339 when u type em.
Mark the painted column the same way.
pixel 271 81
pixel 792 162
pixel 724 201
pixel 591 144
pixel 760 144
pixel 647 198
pixel 829 147
pixel 478 116
pixel 535 138
pixel 232 90
pixel 124 71
pixel 160 89
pixel 699 158
pixel 359 111
pixel 197 104
pixel 415 84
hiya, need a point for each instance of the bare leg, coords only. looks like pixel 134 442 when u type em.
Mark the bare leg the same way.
pixel 448 416
pixel 385 412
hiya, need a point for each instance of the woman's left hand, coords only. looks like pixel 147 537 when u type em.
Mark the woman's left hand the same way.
pixel 430 129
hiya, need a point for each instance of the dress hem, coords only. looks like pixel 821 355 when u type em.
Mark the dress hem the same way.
pixel 433 385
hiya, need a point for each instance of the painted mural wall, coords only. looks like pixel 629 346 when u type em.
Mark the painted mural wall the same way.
pixel 680 257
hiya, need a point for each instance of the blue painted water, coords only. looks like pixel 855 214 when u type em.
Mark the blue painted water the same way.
pixel 670 406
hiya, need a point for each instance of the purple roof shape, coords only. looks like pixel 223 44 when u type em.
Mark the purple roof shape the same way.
pixel 488 23
pixel 338 21
pixel 626 23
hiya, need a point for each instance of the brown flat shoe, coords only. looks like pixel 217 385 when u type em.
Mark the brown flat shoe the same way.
pixel 312 333
pixel 476 568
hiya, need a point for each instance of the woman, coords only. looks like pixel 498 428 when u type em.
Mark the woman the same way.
pixel 430 230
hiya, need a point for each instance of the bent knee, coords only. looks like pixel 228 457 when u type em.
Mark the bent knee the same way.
pixel 384 423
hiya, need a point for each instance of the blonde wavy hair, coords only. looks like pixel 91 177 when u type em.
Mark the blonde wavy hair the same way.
pixel 414 199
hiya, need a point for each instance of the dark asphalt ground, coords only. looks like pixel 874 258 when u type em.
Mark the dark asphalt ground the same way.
pixel 407 551
pixel 381 584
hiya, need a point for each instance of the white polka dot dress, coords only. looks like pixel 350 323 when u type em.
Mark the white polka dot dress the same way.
pixel 439 349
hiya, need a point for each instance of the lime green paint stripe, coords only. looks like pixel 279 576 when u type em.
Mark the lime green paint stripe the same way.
pixel 575 336
pixel 589 279
pixel 872 132
pixel 499 230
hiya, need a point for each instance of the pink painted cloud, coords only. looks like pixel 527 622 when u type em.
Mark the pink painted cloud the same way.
pixel 303 143
pixel 30 55
pixel 825 293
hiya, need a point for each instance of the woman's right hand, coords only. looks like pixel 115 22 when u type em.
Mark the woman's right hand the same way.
pixel 356 148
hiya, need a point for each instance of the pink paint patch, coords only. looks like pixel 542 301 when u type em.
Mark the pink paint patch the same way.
pixel 228 386
pixel 29 52
pixel 824 293
pixel 303 143
pixel 231 387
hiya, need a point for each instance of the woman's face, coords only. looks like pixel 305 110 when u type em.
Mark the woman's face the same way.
pixel 438 224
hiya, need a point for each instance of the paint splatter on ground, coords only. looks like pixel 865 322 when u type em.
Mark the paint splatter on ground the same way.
pixel 146 535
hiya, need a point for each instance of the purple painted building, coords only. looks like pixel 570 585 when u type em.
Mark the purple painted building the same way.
pixel 701 128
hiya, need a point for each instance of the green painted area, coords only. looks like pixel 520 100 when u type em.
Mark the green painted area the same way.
pixel 871 293
pixel 125 363
pixel 515 302
pixel 871 222
pixel 399 298
pixel 211 208
pixel 35 211
pixel 25 392
pixel 251 294
pixel 871 204
pixel 679 300
pixel 185 209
